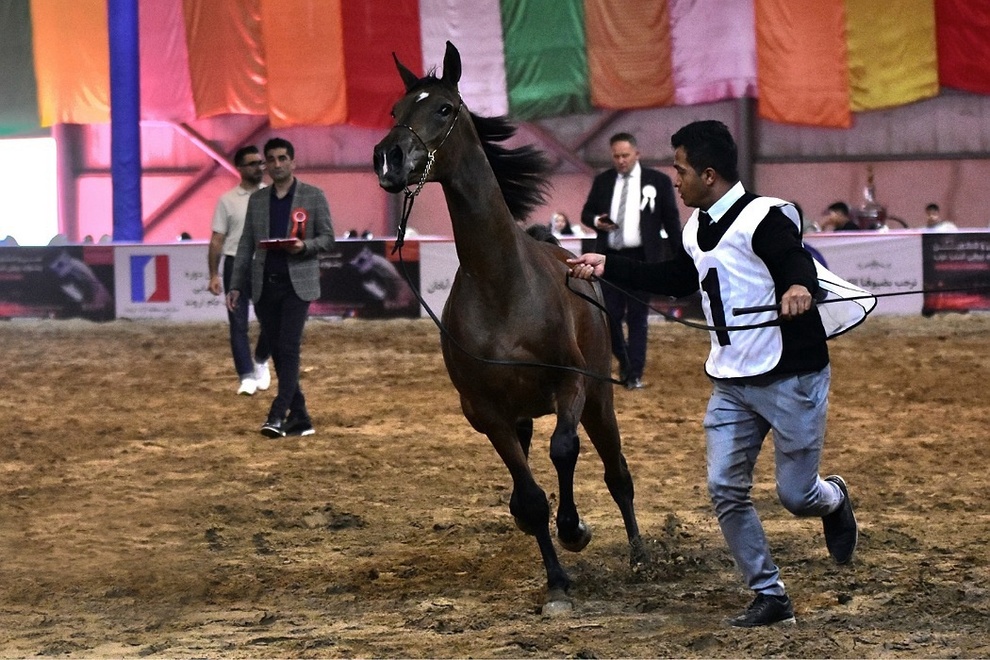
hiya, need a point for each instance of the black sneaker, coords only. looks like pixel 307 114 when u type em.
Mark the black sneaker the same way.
pixel 841 531
pixel 298 426
pixel 273 428
pixel 765 610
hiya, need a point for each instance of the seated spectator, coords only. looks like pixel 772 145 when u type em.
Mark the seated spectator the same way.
pixel 560 225
pixel 836 218
pixel 935 221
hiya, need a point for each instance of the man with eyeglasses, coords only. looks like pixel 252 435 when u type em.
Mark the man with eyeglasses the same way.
pixel 227 226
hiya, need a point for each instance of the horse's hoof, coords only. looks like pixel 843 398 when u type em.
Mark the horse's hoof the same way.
pixel 558 604
pixel 579 542
pixel 638 554
pixel 523 527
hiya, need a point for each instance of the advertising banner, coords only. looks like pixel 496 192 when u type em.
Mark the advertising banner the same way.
pixel 959 263
pixel 57 282
pixel 363 279
pixel 878 262
pixel 165 282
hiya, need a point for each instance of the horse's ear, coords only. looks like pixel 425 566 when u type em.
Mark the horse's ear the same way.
pixel 408 77
pixel 451 65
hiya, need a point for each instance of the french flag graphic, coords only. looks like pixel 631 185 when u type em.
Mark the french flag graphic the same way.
pixel 149 278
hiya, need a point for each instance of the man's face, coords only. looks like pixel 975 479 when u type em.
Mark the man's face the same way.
pixel 690 185
pixel 933 217
pixel 279 165
pixel 252 169
pixel 624 156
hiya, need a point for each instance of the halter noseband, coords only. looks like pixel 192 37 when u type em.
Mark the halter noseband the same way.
pixel 430 153
pixel 407 203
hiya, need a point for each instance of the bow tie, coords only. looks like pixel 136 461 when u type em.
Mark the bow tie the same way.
pixel 705 218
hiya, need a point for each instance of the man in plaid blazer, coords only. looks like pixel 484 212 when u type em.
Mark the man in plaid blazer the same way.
pixel 287 227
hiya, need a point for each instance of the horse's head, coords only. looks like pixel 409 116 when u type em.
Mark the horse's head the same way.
pixel 424 118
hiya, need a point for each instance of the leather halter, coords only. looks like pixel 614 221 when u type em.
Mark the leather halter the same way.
pixel 407 203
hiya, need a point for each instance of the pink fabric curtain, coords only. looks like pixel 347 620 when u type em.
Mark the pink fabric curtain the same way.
pixel 166 90
pixel 714 50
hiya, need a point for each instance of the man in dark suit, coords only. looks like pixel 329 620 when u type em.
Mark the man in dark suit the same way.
pixel 633 210
pixel 284 277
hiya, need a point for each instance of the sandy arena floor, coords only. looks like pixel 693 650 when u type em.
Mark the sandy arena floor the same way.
pixel 143 515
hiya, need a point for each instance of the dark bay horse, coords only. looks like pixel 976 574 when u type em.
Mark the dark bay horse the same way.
pixel 510 303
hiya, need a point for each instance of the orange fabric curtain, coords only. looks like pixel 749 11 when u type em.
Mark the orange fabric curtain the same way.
pixel 304 45
pixel 892 55
pixel 629 53
pixel 802 73
pixel 226 60
pixel 71 61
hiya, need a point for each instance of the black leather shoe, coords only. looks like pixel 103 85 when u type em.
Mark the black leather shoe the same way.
pixel 765 610
pixel 273 428
pixel 298 425
pixel 841 530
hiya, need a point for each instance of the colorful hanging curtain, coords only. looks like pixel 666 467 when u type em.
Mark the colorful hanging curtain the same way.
pixel 329 62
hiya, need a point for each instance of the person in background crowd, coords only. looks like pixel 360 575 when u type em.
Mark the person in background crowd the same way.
pixel 227 225
pixel 291 220
pixel 743 250
pixel 836 218
pixel 634 211
pixel 560 226
pixel 935 221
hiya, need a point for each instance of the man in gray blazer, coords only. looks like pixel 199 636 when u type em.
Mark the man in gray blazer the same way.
pixel 287 227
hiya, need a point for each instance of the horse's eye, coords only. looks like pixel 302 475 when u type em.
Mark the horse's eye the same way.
pixel 445 110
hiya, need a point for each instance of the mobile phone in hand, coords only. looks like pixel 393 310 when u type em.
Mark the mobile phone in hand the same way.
pixel 604 219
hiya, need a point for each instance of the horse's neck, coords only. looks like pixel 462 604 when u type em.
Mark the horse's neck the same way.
pixel 484 230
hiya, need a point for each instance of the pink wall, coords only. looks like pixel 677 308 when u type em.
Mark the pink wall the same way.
pixel 356 202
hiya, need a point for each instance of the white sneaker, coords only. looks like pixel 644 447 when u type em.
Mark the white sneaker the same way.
pixel 262 376
pixel 248 386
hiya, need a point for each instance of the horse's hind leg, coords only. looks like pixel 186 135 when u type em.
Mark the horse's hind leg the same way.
pixel 603 431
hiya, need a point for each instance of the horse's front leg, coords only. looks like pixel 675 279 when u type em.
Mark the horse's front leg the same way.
pixel 531 510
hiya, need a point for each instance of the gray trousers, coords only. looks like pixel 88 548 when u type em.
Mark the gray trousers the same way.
pixel 738 419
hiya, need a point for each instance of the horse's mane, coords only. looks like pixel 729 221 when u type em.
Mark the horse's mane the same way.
pixel 522 173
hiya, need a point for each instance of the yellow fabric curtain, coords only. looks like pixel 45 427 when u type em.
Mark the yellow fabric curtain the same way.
pixel 226 60
pixel 802 73
pixel 71 61
pixel 629 53
pixel 892 52
pixel 304 45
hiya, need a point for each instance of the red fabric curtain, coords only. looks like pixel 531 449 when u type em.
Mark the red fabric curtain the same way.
pixel 372 31
pixel 963 37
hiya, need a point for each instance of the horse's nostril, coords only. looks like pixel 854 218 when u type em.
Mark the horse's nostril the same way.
pixel 395 156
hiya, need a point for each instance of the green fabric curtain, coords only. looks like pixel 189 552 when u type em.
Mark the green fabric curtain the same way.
pixel 19 95
pixel 546 67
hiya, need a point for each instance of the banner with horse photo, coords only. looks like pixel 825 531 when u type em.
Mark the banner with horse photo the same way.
pixel 363 279
pixel 57 282
pixel 956 271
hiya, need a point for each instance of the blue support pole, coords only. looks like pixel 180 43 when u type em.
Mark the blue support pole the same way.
pixel 125 117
